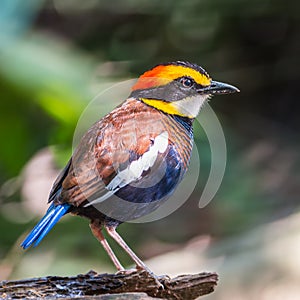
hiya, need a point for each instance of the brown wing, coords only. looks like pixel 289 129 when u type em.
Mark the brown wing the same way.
pixel 107 148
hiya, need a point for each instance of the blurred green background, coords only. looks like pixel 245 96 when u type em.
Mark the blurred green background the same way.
pixel 56 55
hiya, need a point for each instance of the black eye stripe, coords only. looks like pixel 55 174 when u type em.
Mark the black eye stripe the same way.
pixel 199 86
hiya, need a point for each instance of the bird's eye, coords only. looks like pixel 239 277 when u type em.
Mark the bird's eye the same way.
pixel 187 82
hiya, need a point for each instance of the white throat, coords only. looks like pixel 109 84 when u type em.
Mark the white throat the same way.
pixel 190 106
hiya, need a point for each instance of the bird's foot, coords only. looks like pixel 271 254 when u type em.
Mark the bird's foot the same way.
pixel 164 277
pixel 156 278
pixel 91 273
pixel 127 271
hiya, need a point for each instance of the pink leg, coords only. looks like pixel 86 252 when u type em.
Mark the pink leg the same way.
pixel 139 263
pixel 97 232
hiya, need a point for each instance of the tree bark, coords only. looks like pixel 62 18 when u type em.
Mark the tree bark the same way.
pixel 135 285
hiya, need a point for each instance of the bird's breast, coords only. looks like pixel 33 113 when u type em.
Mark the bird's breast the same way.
pixel 160 152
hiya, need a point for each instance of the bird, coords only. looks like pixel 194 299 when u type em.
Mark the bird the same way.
pixel 131 160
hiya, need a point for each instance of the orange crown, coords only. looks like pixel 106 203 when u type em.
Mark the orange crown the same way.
pixel 163 74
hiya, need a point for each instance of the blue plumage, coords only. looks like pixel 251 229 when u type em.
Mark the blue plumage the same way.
pixel 52 216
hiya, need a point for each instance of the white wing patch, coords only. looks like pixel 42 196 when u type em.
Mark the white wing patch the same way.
pixel 136 168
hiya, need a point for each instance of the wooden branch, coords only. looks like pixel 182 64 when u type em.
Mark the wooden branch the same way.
pixel 136 285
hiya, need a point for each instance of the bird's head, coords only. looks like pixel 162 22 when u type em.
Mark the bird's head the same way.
pixel 178 88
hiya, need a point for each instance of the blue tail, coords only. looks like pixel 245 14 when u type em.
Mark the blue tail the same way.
pixel 54 213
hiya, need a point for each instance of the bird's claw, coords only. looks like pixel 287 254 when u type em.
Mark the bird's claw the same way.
pixel 156 278
pixel 159 284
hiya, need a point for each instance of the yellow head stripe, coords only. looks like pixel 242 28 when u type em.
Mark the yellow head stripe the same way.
pixel 166 107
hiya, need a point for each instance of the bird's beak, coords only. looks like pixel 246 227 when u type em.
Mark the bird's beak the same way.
pixel 216 87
